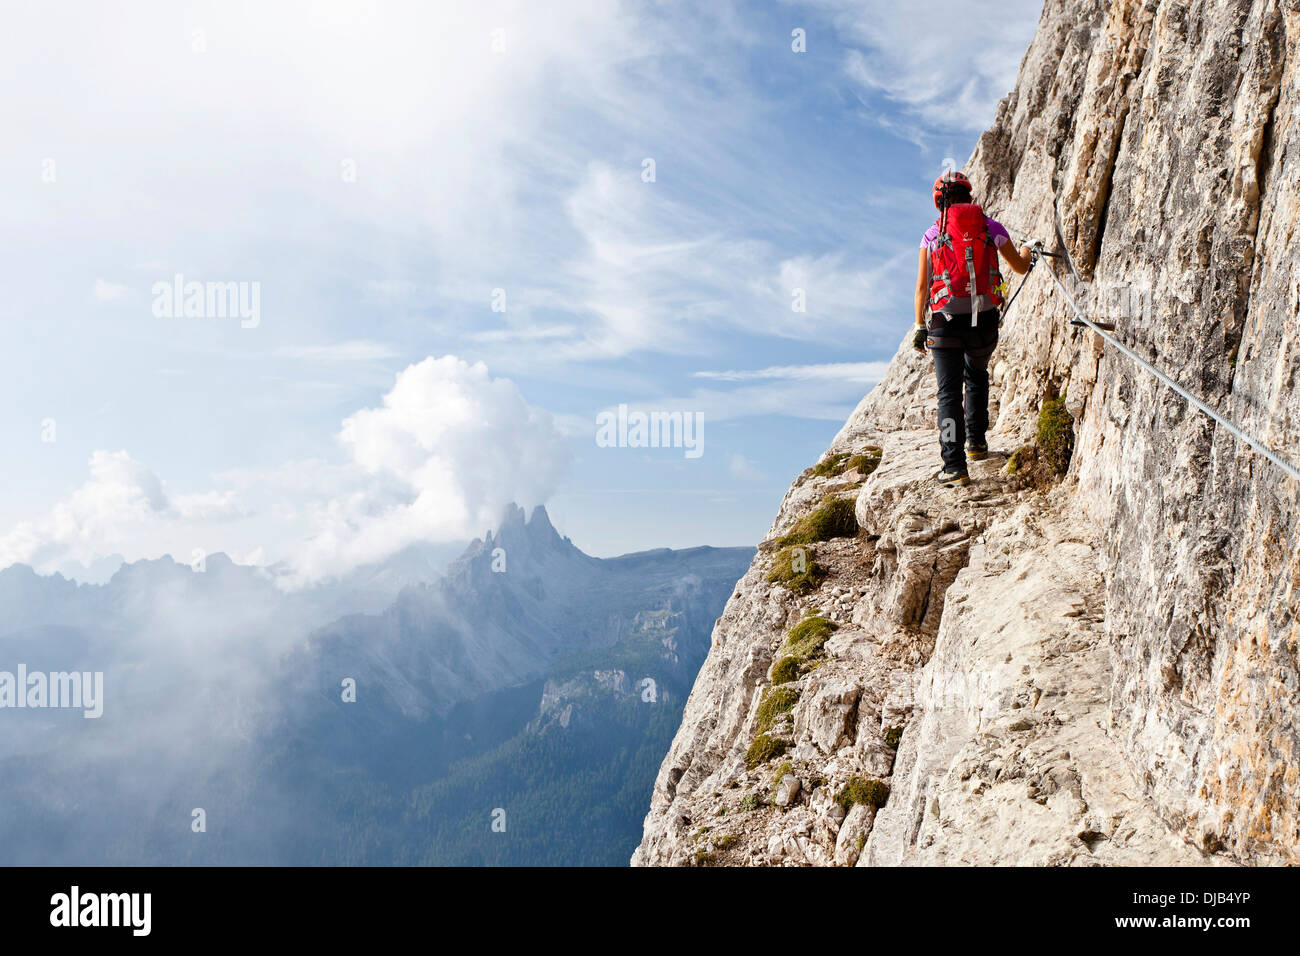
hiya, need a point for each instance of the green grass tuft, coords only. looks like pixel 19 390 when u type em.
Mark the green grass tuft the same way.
pixel 796 568
pixel 866 463
pixel 831 465
pixel 1020 458
pixel 763 749
pixel 1044 462
pixel 785 670
pixel 894 736
pixel 873 793
pixel 833 519
pixel 807 638
pixel 777 701
pixel 1055 435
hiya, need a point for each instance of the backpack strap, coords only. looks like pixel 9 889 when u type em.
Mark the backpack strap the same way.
pixel 944 291
pixel 974 286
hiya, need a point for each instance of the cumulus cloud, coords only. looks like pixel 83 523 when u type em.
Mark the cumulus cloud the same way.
pixel 121 505
pixel 438 459
pixel 448 448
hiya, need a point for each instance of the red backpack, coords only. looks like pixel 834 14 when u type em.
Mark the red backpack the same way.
pixel 964 276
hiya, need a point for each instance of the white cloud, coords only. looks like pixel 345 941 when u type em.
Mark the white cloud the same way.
pixel 389 290
pixel 357 350
pixel 861 373
pixel 824 401
pixel 827 391
pixel 208 505
pixel 653 274
pixel 443 455
pixel 949 66
pixel 740 467
pixel 525 333
pixel 438 460
pixel 121 506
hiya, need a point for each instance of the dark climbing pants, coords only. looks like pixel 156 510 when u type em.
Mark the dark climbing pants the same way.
pixel 961 359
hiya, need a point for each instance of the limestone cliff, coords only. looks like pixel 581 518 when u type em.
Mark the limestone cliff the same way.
pixel 1100 669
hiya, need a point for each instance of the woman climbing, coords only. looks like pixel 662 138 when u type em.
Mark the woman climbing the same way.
pixel 958 283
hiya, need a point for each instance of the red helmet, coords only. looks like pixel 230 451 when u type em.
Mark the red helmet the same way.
pixel 953 178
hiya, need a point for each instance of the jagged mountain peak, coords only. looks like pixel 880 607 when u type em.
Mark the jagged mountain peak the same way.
pixel 530 539
pixel 539 523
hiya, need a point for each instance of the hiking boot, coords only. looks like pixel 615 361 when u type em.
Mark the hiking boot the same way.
pixel 950 478
pixel 977 452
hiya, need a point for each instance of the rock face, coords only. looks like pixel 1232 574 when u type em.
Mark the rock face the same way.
pixel 1102 670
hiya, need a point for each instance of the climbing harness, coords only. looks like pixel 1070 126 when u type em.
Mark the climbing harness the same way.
pixel 1236 430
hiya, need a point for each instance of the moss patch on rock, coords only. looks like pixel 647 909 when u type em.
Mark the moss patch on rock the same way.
pixel 1044 462
pixel 1055 437
pixel 763 749
pixel 834 518
pixel 796 567
pixel 830 465
pixel 1020 458
pixel 785 670
pixel 808 637
pixel 776 702
pixel 865 463
pixel 874 793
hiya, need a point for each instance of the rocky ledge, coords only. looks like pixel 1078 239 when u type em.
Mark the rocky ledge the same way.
pixel 1092 661
pixel 951 704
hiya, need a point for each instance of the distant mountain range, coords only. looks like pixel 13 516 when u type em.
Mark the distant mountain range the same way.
pixel 529 679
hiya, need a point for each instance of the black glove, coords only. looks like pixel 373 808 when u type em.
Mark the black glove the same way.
pixel 918 339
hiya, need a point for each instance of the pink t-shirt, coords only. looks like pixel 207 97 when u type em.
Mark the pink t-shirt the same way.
pixel 996 230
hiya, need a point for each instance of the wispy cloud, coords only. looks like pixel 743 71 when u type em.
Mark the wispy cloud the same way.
pixel 106 291
pixel 948 66
pixel 358 350
pixel 406 169
pixel 741 468
pixel 860 373
pixel 827 400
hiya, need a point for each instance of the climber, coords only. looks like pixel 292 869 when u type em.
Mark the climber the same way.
pixel 963 322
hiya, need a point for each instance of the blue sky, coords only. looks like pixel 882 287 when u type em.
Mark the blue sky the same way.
pixel 378 170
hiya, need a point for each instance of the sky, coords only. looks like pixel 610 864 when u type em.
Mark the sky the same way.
pixel 421 249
